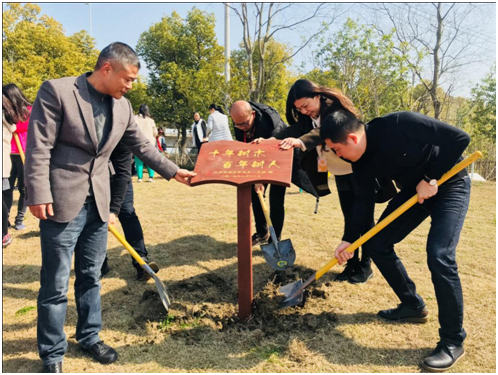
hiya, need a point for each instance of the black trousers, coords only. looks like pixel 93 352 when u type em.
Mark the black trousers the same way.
pixel 16 173
pixel 5 217
pixel 131 225
pixel 348 190
pixel 277 210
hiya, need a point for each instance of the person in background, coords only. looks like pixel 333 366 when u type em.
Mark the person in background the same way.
pixel 217 125
pixel 255 120
pixel 21 110
pixel 148 127
pixel 8 127
pixel 161 142
pixel 199 131
pixel 415 151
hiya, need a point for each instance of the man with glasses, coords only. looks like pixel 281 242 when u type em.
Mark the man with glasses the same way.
pixel 253 121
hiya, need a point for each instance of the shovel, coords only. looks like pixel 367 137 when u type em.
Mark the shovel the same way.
pixel 280 255
pixel 159 284
pixel 18 144
pixel 294 292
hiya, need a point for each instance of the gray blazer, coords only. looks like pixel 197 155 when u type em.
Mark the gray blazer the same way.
pixel 62 156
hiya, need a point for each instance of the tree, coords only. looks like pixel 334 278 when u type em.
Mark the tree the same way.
pixel 440 36
pixel 480 123
pixel 484 107
pixel 275 90
pixel 269 19
pixel 36 49
pixel 361 64
pixel 186 67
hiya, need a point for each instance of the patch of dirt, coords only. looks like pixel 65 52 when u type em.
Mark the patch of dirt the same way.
pixel 190 323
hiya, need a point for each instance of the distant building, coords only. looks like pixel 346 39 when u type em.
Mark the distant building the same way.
pixel 173 142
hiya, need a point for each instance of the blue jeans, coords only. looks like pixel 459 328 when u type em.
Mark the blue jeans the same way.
pixel 86 237
pixel 447 210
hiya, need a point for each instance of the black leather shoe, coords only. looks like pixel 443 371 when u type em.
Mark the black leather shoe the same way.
pixel 144 276
pixel 362 273
pixel 102 353
pixel 444 357
pixel 348 271
pixel 53 368
pixel 405 314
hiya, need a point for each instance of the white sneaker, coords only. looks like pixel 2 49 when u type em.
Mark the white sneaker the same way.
pixel 150 180
pixel 139 180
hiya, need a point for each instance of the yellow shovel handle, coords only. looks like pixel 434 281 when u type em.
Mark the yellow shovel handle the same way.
pixel 127 246
pixel 395 214
pixel 18 143
pixel 265 209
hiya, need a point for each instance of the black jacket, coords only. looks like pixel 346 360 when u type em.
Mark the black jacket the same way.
pixel 121 162
pixel 310 136
pixel 405 146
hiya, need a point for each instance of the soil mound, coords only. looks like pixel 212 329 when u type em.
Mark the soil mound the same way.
pixel 269 318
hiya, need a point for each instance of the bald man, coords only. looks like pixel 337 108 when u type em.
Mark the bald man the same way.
pixel 252 121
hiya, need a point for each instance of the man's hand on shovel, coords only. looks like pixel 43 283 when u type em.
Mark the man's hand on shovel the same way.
pixel 41 210
pixel 341 254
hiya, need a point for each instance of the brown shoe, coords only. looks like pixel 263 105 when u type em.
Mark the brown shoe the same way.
pixel 144 276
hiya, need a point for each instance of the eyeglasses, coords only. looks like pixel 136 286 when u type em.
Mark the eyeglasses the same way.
pixel 245 123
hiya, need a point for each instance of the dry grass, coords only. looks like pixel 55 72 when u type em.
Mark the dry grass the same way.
pixel 191 232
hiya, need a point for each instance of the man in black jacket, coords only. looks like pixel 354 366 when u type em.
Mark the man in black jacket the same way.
pixel 122 206
pixel 255 120
pixel 415 151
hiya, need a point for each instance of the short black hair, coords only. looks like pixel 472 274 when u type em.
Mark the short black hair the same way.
pixel 119 52
pixel 338 125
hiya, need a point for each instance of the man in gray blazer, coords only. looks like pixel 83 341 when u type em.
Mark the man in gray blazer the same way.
pixel 75 124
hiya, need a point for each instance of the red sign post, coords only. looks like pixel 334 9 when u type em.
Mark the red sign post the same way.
pixel 242 165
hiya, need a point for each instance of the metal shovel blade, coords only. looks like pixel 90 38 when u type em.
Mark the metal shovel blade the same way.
pixel 289 291
pixel 286 258
pixel 160 287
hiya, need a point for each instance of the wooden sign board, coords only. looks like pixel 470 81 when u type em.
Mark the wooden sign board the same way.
pixel 242 164
pixel 237 163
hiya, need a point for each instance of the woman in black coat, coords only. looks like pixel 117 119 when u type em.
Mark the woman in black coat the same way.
pixel 307 104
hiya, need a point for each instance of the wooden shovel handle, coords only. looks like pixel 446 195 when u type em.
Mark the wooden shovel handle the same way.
pixel 18 143
pixel 265 209
pixel 127 246
pixel 395 214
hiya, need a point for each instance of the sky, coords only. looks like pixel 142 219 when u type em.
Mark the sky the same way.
pixel 125 22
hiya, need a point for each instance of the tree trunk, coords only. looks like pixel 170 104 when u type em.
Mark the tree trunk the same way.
pixel 437 64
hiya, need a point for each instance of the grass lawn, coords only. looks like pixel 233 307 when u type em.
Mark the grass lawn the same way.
pixel 191 233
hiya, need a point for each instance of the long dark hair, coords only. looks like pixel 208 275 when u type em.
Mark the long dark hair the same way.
pixel 216 108
pixel 330 100
pixel 19 102
pixel 8 110
pixel 144 110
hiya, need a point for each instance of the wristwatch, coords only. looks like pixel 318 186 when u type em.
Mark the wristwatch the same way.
pixel 430 181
